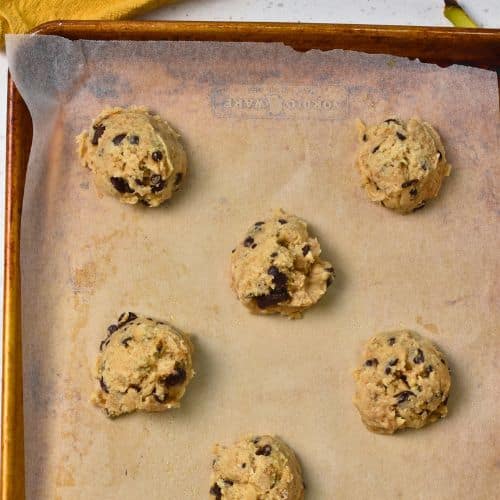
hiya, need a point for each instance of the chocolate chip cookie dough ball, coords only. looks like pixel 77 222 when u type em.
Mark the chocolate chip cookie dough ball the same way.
pixel 277 267
pixel 403 381
pixel 402 163
pixel 143 365
pixel 135 156
pixel 256 467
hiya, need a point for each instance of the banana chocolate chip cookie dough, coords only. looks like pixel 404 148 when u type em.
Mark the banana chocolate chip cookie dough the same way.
pixel 257 468
pixel 402 163
pixel 135 156
pixel 277 268
pixel 403 382
pixel 143 364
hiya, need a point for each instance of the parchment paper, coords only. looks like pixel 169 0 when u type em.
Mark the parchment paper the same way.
pixel 264 127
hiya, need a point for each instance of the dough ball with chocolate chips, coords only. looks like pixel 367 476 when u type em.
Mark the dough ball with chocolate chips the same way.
pixel 403 382
pixel 143 365
pixel 135 156
pixel 256 467
pixel 277 267
pixel 402 163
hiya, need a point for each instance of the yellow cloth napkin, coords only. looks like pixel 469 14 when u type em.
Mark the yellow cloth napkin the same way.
pixel 20 16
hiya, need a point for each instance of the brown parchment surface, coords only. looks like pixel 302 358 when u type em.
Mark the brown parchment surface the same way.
pixel 264 127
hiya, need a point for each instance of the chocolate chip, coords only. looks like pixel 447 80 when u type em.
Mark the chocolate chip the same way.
pixel 157 155
pixel 392 362
pixel 121 185
pixel 139 182
pixel 306 249
pixel 254 245
pixel 155 179
pixel 375 149
pixel 126 318
pixel 176 377
pixel 178 178
pixel 233 250
pixel 427 371
pixel 401 136
pixel 98 131
pixel 275 296
pixel 443 361
pixel 264 450
pixel 228 482
pixel 365 137
pixel 409 183
pixel 371 362
pixel 391 341
pixel 126 340
pixel 389 120
pixel 157 183
pixel 282 221
pixel 279 279
pixel 274 254
pixel 413 192
pixel 419 358
pixel 243 465
pixel 133 139
pixel 440 155
pixel 136 387
pixel 118 139
pixel 103 385
pixel 158 398
pixel 216 491
pixel 329 280
pixel 401 376
pixel 102 344
pixel 273 271
pixel 404 396
pixel 249 241
pixel 112 329
pixel 260 223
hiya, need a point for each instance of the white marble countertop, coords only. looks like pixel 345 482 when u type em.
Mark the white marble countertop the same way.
pixel 404 12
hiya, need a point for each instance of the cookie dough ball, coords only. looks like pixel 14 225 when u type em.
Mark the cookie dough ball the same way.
pixel 403 381
pixel 135 156
pixel 402 163
pixel 256 468
pixel 143 365
pixel 277 267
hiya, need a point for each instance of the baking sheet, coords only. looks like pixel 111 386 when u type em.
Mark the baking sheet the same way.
pixel 264 127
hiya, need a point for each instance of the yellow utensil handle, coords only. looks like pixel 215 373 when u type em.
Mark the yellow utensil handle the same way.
pixel 457 16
